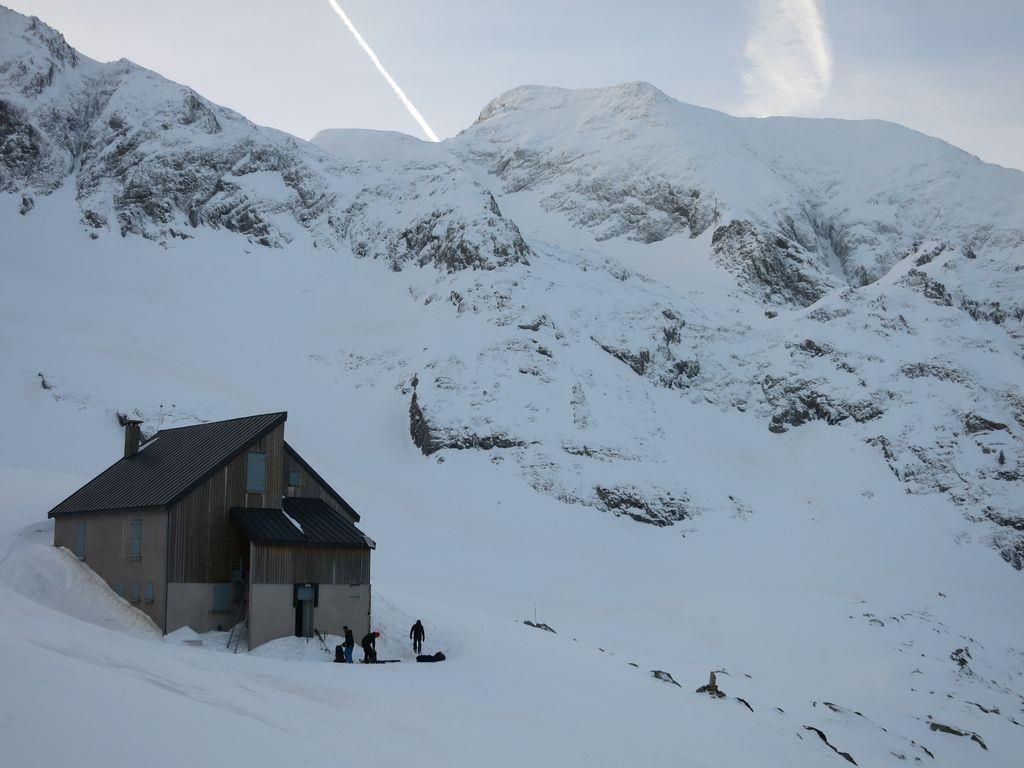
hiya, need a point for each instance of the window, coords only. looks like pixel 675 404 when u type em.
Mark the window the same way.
pixel 135 552
pixel 120 589
pixel 294 478
pixel 256 473
pixel 136 592
pixel 80 541
pixel 150 592
pixel 221 597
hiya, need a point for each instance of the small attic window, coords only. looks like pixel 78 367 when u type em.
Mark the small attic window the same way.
pixel 294 478
pixel 256 473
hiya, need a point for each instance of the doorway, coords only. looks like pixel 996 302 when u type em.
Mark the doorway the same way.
pixel 305 602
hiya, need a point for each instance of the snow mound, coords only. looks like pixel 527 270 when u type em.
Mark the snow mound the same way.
pixel 55 578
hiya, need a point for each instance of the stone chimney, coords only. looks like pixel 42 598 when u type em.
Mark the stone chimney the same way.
pixel 132 437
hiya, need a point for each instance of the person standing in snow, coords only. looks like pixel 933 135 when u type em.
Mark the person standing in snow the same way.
pixel 370 648
pixel 418 635
pixel 349 644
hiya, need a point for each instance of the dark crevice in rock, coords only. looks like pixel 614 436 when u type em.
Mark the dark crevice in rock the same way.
pixel 539 625
pixel 821 734
pixel 954 731
pixel 419 429
pixel 664 676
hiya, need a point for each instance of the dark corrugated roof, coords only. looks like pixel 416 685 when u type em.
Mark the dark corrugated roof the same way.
pixel 319 524
pixel 169 465
pixel 266 526
pixel 334 494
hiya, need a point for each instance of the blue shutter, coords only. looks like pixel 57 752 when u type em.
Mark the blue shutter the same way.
pixel 135 553
pixel 256 473
pixel 80 541
pixel 150 592
pixel 136 592
pixel 294 478
pixel 221 597
pixel 120 589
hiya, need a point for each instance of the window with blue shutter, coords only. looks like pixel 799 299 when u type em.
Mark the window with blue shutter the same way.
pixel 120 589
pixel 256 473
pixel 80 541
pixel 150 592
pixel 136 592
pixel 135 551
pixel 221 598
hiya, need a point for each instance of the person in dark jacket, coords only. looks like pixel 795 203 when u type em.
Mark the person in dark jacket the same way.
pixel 349 644
pixel 417 634
pixel 370 648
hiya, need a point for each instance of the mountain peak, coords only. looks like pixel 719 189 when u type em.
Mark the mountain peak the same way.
pixel 635 97
pixel 36 52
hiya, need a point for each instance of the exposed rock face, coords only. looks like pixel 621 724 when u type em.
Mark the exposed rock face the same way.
pixel 797 402
pixel 605 197
pixel 771 268
pixel 817 286
pixel 152 158
pixel 658 508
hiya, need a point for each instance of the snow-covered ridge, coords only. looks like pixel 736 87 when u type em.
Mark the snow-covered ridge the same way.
pixel 830 201
pixel 153 158
pixel 856 274
pixel 607 385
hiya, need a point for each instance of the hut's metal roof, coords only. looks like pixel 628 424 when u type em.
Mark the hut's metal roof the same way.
pixel 169 465
pixel 301 521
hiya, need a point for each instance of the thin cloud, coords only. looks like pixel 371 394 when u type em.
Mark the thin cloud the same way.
pixel 788 68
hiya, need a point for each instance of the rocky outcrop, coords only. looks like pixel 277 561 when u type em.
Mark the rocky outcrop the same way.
pixel 798 401
pixel 654 507
pixel 152 158
pixel 769 267
pixel 974 424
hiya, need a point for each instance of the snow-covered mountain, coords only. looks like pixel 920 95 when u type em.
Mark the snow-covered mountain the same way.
pixel 798 343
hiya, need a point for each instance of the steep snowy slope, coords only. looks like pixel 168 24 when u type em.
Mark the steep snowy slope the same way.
pixel 485 355
pixel 150 157
pixel 821 582
pixel 797 206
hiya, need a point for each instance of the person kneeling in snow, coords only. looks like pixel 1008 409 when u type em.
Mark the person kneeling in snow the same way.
pixel 370 648
pixel 417 634
pixel 349 644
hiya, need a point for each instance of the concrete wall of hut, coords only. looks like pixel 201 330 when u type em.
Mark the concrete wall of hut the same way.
pixel 108 552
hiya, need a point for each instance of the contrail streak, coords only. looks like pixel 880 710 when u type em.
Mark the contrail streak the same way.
pixel 380 68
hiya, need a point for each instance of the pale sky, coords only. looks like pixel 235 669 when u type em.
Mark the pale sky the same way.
pixel 948 68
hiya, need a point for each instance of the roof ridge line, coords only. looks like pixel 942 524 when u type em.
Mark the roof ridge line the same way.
pixel 219 421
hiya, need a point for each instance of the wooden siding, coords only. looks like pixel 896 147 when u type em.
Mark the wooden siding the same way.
pixel 282 564
pixel 309 487
pixel 203 542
